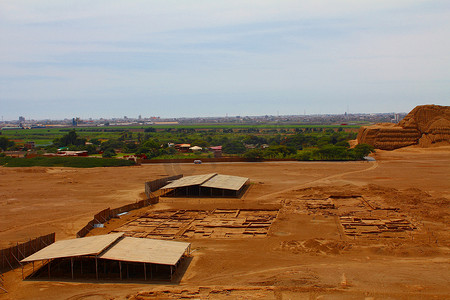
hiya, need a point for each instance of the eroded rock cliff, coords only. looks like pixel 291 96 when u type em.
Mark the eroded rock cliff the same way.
pixel 424 125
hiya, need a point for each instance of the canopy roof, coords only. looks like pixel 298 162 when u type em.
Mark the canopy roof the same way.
pixel 196 148
pixel 114 247
pixel 147 251
pixel 92 245
pixel 189 180
pixel 226 182
pixel 212 180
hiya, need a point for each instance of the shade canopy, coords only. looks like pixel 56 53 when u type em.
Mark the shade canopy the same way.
pixel 212 180
pixel 146 251
pixel 92 245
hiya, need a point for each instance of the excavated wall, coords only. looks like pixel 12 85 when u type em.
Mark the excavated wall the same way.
pixel 425 125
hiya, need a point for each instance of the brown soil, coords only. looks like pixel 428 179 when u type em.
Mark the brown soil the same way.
pixel 307 252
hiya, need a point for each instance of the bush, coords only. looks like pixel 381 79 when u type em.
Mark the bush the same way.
pixel 304 155
pixel 109 153
pixel 362 150
pixel 234 147
pixel 254 155
pixel 5 143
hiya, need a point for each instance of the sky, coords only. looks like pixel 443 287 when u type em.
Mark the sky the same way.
pixel 113 58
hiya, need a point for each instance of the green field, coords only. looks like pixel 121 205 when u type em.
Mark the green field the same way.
pixel 45 136
pixel 72 162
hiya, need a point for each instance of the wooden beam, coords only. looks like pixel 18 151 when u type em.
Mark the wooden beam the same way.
pixel 71 265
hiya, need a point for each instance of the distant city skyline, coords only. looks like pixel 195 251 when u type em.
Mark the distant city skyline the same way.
pixel 174 59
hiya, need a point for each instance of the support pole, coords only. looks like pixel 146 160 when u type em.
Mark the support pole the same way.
pixel 71 266
pixel 120 269
pixel 151 272
pixel 145 272
pixel 96 269
pixel 48 265
pixel 81 265
pixel 170 273
pixel 33 266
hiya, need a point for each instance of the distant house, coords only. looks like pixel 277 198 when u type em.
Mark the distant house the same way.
pixel 217 151
pixel 30 145
pixel 72 153
pixel 195 148
pixel 183 147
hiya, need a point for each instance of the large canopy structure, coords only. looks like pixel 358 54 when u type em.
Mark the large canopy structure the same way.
pixel 212 185
pixel 111 250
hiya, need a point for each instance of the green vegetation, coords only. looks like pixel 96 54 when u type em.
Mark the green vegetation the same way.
pixel 5 143
pixel 300 142
pixel 336 153
pixel 73 162
pixel 327 152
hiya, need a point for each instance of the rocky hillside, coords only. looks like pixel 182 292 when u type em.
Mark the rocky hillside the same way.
pixel 424 125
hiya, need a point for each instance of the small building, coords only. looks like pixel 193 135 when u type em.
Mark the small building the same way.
pixel 29 145
pixel 196 148
pixel 183 147
pixel 72 153
pixel 207 185
pixel 111 256
pixel 217 150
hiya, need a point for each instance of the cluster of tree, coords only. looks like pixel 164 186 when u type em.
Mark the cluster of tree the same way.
pixel 151 148
pixel 304 144
pixel 332 152
pixel 6 144
pixel 69 139
pixel 327 152
pixel 273 151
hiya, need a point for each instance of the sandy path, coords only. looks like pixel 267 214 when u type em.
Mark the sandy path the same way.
pixel 373 166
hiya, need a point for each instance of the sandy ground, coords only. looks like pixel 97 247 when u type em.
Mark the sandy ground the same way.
pixel 306 254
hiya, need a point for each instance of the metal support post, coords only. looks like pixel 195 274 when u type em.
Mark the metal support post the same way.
pixel 145 272
pixel 96 269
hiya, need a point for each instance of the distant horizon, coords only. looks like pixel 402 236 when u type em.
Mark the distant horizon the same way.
pixel 196 117
pixel 211 58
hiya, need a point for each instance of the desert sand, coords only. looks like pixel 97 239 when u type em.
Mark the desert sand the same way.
pixel 307 254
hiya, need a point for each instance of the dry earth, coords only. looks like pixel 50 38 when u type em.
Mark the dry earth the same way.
pixel 307 254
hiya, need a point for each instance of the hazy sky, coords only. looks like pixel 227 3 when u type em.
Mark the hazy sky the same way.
pixel 168 58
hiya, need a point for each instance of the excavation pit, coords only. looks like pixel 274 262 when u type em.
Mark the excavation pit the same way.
pixel 199 224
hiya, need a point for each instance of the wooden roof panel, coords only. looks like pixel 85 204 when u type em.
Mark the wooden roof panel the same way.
pixel 189 181
pixel 146 251
pixel 92 245
pixel 226 182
